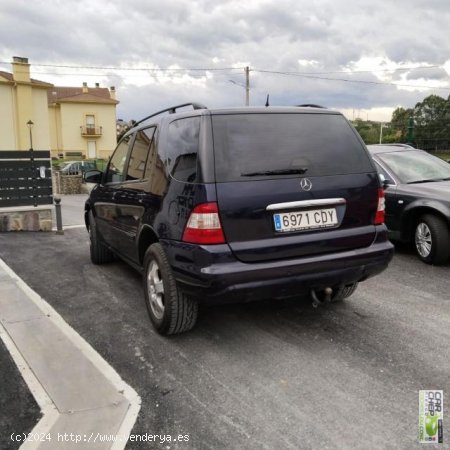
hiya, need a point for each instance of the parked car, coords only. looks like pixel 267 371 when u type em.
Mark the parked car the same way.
pixel 417 190
pixel 239 204
pixel 77 167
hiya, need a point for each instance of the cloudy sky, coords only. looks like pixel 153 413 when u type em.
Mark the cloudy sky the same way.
pixel 362 57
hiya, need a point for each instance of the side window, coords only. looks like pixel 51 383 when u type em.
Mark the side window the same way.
pixel 117 163
pixel 139 154
pixel 182 148
pixel 155 170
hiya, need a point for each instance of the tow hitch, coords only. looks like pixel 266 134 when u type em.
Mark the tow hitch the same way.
pixel 328 292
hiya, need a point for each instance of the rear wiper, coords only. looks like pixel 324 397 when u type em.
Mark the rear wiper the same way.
pixel 300 170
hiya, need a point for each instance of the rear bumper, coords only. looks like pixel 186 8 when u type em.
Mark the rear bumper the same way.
pixel 212 274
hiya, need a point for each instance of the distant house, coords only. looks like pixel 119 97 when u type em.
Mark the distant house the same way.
pixel 69 121
pixel 23 99
pixel 82 121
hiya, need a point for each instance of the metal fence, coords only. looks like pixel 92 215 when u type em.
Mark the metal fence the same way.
pixel 25 178
pixel 432 145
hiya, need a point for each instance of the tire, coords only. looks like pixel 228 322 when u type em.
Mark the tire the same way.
pixel 99 253
pixel 344 292
pixel 432 239
pixel 170 310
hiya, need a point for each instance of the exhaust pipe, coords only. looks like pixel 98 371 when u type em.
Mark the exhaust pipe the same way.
pixel 327 298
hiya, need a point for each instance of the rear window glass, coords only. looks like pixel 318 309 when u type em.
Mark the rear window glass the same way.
pixel 257 146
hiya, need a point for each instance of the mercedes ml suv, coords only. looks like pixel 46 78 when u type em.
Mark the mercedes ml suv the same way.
pixel 239 204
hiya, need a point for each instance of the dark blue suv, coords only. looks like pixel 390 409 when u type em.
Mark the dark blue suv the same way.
pixel 239 204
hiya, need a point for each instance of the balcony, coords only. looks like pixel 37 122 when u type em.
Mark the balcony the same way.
pixel 91 131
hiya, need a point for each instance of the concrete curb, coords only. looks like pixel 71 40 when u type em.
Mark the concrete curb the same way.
pixel 82 398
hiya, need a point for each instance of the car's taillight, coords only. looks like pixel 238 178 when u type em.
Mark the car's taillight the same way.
pixel 379 216
pixel 203 225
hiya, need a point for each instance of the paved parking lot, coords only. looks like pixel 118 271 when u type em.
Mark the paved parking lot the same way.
pixel 261 375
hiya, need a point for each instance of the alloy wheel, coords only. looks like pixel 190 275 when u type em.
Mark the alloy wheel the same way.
pixel 155 288
pixel 423 240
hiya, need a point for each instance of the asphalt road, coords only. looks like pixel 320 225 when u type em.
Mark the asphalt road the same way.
pixel 270 375
pixel 18 409
pixel 72 207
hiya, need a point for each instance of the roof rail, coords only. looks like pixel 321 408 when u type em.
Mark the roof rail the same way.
pixel 171 110
pixel 311 105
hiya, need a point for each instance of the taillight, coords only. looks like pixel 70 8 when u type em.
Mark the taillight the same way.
pixel 379 216
pixel 203 225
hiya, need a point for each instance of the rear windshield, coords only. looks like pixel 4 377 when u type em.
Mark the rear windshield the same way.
pixel 260 146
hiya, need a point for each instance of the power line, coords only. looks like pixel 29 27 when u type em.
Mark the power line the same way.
pixel 220 70
pixel 105 75
pixel 156 69
pixel 398 69
pixel 349 81
pixel 229 68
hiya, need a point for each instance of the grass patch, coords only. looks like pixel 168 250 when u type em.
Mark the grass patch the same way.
pixel 443 155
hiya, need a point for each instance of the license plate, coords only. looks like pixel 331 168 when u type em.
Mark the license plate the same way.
pixel 305 220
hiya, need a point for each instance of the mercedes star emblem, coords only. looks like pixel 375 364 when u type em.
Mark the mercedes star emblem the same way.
pixel 305 184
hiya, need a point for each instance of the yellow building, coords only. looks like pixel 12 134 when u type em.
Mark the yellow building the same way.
pixel 82 121
pixel 72 122
pixel 22 100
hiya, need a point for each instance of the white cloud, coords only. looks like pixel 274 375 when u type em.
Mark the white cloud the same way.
pixel 319 37
pixel 308 62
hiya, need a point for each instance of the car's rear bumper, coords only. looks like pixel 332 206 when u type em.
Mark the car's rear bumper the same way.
pixel 212 273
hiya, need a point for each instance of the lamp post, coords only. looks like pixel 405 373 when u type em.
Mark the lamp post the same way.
pixel 382 125
pixel 242 86
pixel 246 86
pixel 33 178
pixel 30 126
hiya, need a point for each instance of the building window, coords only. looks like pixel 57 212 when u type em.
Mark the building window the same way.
pixel 90 124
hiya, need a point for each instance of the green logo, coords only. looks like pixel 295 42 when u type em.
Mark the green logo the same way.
pixel 431 425
pixel 431 416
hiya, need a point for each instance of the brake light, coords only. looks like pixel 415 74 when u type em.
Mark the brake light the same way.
pixel 379 216
pixel 203 225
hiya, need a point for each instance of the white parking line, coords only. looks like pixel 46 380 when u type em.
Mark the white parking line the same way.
pixel 68 227
pixel 76 389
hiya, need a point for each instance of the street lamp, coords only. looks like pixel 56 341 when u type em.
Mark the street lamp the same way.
pixel 246 86
pixel 242 86
pixel 30 126
pixel 382 125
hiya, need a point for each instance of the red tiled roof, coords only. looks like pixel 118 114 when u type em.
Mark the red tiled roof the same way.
pixel 59 94
pixel 9 77
pixel 6 75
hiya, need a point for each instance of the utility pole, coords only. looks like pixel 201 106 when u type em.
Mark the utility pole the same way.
pixel 247 86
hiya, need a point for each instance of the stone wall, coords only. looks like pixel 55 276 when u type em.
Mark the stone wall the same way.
pixel 67 184
pixel 26 218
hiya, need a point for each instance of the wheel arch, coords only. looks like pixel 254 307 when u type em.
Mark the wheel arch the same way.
pixel 147 237
pixel 87 209
pixel 414 212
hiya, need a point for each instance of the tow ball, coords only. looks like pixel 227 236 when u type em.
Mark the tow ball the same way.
pixel 327 298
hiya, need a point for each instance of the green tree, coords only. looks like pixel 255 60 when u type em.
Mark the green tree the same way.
pixel 399 125
pixel 432 122
pixel 368 130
